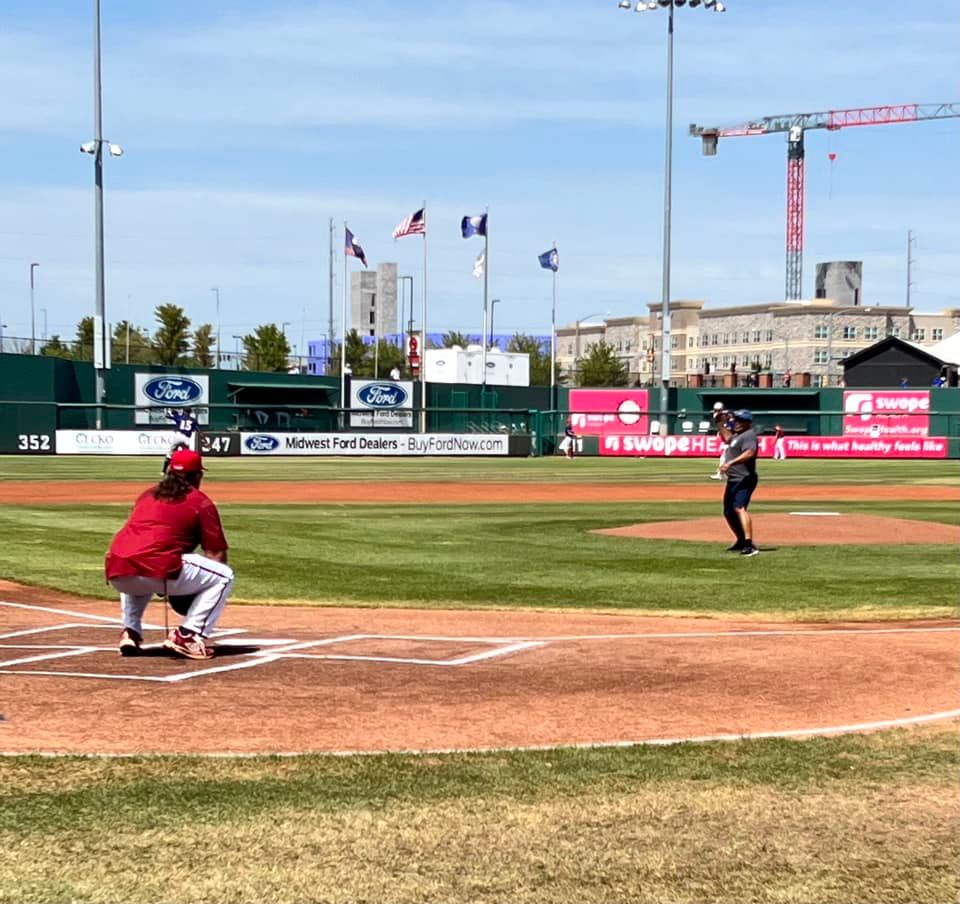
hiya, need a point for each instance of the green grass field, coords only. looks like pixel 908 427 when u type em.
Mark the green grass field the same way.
pixel 516 555
pixel 847 820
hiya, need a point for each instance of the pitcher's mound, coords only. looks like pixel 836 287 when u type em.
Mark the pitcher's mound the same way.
pixel 800 529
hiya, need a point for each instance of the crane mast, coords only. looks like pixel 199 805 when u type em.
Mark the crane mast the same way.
pixel 795 124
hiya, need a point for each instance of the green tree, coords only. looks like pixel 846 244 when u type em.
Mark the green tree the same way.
pixel 539 358
pixel 266 349
pixel 387 357
pixel 83 344
pixel 171 342
pixel 602 367
pixel 359 356
pixel 56 348
pixel 203 342
pixel 455 337
pixel 130 344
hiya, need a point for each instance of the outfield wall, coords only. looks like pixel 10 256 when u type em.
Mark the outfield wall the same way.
pixel 46 407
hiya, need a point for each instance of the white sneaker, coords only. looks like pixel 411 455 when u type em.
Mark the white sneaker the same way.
pixel 717 476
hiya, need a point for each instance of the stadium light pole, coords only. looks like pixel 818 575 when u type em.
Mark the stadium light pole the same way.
pixel 216 291
pixel 669 5
pixel 493 306
pixel 101 341
pixel 33 318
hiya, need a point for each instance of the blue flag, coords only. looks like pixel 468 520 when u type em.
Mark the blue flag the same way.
pixel 474 226
pixel 550 260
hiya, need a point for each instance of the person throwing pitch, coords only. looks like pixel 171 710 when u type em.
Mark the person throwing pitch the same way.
pixel 153 554
pixel 740 468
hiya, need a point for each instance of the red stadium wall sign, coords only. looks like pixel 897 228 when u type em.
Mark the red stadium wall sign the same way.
pixel 796 446
pixel 876 413
pixel 605 412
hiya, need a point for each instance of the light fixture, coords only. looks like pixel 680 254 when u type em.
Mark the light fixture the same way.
pixel 679 2
pixel 623 4
pixel 664 2
pixel 694 4
pixel 651 4
pixel 115 150
pixel 720 8
pixel 709 4
pixel 88 147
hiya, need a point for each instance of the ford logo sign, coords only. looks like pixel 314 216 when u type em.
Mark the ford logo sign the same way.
pixel 261 442
pixel 178 390
pixel 382 395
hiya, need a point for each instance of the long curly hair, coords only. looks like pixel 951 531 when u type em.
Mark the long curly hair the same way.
pixel 175 486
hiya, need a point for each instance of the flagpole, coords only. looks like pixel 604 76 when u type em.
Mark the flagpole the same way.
pixel 553 342
pixel 330 333
pixel 423 341
pixel 343 341
pixel 486 271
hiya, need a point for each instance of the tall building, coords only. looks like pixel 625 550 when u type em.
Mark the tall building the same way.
pixel 706 344
pixel 373 301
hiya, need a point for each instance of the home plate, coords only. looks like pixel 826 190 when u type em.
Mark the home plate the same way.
pixel 817 514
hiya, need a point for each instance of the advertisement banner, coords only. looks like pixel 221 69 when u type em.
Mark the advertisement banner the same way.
pixel 605 412
pixel 383 403
pixel 698 446
pixel 164 392
pixel 422 444
pixel 877 413
pixel 113 442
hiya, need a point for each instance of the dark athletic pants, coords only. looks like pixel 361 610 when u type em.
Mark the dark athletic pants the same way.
pixel 737 495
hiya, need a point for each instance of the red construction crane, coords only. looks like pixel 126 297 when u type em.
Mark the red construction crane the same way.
pixel 795 124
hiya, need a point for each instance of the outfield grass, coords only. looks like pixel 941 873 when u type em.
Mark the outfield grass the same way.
pixel 848 819
pixel 516 555
pixel 511 556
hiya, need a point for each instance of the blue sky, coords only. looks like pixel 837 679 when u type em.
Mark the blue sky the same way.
pixel 248 125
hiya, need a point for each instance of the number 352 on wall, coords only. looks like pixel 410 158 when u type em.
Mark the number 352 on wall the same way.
pixel 34 442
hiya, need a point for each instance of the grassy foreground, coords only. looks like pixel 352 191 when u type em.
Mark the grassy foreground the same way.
pixel 848 819
pixel 512 556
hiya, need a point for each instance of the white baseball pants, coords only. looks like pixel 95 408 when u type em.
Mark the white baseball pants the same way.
pixel 211 581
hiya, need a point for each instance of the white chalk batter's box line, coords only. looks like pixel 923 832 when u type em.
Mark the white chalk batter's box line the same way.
pixel 277 649
pixel 280 648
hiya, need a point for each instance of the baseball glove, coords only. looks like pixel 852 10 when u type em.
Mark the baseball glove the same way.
pixel 181 604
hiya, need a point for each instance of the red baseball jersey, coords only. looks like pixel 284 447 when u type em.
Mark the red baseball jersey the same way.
pixel 158 533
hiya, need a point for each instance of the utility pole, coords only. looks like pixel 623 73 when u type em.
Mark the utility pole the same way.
pixel 911 241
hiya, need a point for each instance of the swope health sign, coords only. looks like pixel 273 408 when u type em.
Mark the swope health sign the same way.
pixel 882 413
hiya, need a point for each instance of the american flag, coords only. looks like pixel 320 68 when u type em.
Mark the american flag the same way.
pixel 415 224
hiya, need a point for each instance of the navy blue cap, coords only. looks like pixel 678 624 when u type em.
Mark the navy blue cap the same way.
pixel 743 414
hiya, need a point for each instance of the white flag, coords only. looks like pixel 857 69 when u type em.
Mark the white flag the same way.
pixel 479 264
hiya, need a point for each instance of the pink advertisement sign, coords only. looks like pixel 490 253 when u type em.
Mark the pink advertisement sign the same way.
pixel 697 446
pixel 884 413
pixel 605 412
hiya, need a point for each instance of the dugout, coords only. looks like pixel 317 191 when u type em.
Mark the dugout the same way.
pixel 796 410
pixel 289 405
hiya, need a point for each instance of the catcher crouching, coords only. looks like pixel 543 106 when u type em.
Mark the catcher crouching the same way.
pixel 152 554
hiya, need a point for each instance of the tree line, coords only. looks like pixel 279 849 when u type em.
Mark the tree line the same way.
pixel 174 344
